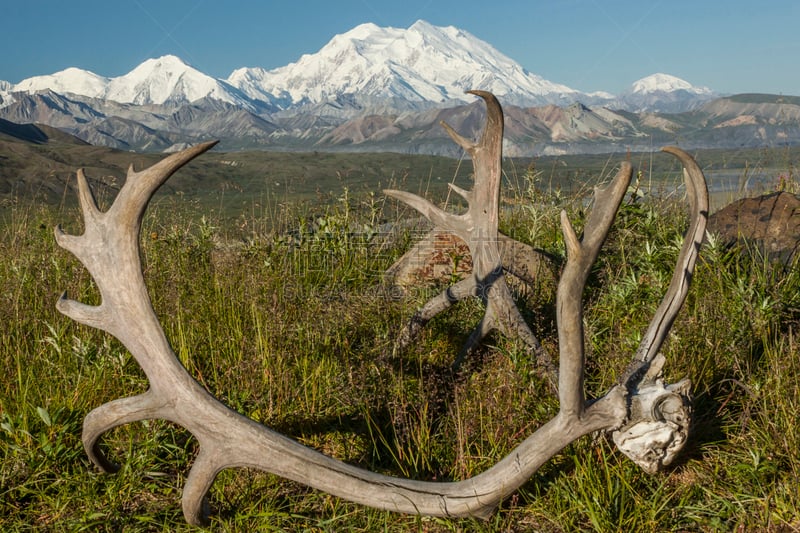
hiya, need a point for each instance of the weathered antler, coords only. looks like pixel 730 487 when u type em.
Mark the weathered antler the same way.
pixel 657 425
pixel 478 228
pixel 109 248
pixel 660 414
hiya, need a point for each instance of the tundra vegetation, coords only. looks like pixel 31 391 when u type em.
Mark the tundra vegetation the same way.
pixel 287 321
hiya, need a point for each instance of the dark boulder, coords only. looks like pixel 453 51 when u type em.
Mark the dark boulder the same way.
pixel 771 223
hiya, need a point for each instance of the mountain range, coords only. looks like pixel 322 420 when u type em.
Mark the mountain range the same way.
pixel 386 89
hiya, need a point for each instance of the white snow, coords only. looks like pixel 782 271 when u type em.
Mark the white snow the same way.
pixel 163 80
pixel 69 81
pixel 423 63
pixel 665 83
pixel 5 95
pixel 155 81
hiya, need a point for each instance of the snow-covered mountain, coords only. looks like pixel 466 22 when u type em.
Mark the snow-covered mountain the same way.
pixel 68 81
pixel 368 68
pixel 663 93
pixel 421 64
pixel 664 83
pixel 168 80
pixel 165 80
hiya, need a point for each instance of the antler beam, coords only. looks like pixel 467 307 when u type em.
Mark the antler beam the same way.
pixel 639 407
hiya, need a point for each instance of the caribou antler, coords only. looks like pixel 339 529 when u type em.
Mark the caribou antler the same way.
pixel 478 228
pixel 109 248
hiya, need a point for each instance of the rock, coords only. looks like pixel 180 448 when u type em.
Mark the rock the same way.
pixel 770 222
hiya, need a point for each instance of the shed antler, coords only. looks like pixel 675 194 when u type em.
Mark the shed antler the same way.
pixel 478 227
pixel 639 406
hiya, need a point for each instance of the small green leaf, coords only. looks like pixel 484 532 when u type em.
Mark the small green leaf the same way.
pixel 45 416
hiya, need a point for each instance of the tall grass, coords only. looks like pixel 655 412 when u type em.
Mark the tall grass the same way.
pixel 291 326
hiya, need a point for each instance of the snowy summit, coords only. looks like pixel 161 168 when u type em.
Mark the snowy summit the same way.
pixel 68 81
pixel 423 63
pixel 664 83
pixel 159 81
pixel 165 80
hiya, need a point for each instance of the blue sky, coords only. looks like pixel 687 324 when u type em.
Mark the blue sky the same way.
pixel 731 46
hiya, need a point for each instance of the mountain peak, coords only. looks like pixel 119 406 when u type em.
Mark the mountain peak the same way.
pixel 68 81
pixel 424 65
pixel 665 83
pixel 364 29
pixel 425 27
pixel 421 25
pixel 167 80
pixel 165 62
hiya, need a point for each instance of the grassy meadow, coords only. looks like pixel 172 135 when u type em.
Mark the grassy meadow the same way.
pixel 281 313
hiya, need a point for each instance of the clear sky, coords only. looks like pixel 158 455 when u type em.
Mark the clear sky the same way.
pixel 731 46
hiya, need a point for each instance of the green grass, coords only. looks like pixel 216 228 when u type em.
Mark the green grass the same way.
pixel 285 320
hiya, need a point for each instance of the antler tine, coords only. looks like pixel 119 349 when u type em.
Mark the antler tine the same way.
pixel 140 186
pixel 89 209
pixel 433 213
pixel 697 191
pixel 581 254
pixel 86 195
pixel 463 142
pixel 492 131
